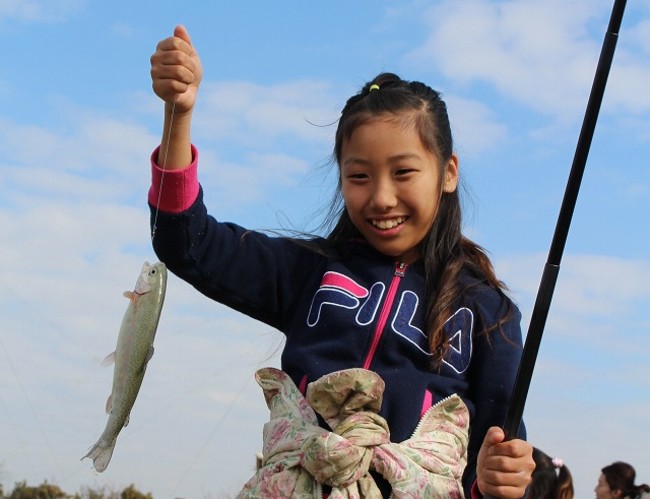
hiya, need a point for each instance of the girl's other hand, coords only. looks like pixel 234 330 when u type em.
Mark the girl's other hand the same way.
pixel 504 469
pixel 176 70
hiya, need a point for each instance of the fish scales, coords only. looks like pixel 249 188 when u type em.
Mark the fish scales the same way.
pixel 132 353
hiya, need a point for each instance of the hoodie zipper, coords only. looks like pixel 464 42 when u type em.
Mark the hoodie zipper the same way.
pixel 400 270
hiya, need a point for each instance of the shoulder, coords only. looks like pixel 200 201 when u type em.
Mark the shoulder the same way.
pixel 488 299
pixel 492 310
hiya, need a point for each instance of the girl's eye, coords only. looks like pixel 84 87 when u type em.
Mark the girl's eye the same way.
pixel 357 176
pixel 404 171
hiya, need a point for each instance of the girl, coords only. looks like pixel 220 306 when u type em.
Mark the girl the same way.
pixel 616 481
pixel 394 291
pixel 551 478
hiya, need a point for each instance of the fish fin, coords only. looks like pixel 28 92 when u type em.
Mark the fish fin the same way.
pixel 146 360
pixel 101 454
pixel 109 404
pixel 109 360
pixel 130 295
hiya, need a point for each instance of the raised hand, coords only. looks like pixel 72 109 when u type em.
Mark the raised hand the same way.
pixel 176 70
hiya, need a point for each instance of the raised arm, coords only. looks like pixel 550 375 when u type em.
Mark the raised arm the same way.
pixel 176 73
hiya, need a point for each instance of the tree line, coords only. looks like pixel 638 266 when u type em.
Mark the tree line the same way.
pixel 51 491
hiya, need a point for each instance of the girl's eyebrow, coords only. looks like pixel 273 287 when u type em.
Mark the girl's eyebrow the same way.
pixel 393 159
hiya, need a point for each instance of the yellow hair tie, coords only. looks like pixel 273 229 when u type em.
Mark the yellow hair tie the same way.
pixel 374 86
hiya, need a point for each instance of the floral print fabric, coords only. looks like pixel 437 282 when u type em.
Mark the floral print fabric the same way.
pixel 299 456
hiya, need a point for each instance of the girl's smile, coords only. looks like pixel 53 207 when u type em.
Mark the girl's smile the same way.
pixel 388 224
pixel 391 185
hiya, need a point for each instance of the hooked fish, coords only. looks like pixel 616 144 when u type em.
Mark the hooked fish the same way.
pixel 132 353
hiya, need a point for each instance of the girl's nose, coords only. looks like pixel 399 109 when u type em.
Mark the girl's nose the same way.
pixel 384 197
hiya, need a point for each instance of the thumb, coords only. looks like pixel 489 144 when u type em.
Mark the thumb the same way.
pixel 181 32
pixel 493 436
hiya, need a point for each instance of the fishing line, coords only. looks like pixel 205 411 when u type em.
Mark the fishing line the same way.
pixel 163 168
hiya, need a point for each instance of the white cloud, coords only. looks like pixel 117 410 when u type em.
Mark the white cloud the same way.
pixel 474 127
pixel 87 157
pixel 598 292
pixel 254 114
pixel 542 54
pixel 254 179
pixel 39 10
pixel 123 30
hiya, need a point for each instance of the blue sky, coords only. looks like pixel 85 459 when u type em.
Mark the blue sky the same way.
pixel 78 121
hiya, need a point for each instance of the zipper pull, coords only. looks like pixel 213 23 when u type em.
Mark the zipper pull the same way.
pixel 400 269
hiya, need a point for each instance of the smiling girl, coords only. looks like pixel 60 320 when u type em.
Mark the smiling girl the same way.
pixel 394 319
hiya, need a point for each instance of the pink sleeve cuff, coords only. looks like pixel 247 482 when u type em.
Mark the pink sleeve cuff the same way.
pixel 174 191
pixel 476 494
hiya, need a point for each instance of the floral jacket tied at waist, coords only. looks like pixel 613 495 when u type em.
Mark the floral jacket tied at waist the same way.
pixel 299 456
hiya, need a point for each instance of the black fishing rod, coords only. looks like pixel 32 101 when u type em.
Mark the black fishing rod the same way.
pixel 551 270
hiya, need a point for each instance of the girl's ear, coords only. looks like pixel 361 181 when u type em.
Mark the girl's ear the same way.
pixel 450 182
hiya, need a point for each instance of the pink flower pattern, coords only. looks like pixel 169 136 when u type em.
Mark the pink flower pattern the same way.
pixel 299 456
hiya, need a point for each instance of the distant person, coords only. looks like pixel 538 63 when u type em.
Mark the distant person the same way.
pixel 551 478
pixel 616 481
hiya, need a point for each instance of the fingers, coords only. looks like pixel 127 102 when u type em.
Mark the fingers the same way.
pixel 180 41
pixel 493 436
pixel 181 32
pixel 505 467
pixel 175 67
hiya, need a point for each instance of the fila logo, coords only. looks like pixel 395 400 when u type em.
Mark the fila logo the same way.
pixel 339 291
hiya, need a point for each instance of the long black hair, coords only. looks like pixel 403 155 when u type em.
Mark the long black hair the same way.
pixel 446 252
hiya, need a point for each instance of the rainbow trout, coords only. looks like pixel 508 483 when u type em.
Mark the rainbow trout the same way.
pixel 133 351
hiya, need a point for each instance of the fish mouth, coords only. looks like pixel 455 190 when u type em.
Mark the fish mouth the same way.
pixel 387 224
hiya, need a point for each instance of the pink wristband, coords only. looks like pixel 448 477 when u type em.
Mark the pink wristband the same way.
pixel 174 191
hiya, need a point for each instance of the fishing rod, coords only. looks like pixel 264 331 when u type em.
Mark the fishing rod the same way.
pixel 551 269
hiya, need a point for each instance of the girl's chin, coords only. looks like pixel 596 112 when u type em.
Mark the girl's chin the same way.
pixel 403 255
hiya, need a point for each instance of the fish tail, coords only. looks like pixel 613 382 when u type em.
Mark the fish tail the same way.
pixel 101 454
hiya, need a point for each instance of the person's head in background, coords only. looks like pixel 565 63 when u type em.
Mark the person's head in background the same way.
pixel 616 481
pixel 551 478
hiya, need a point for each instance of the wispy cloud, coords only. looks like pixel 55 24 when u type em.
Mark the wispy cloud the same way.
pixel 542 54
pixel 591 290
pixel 254 114
pixel 39 10
pixel 474 126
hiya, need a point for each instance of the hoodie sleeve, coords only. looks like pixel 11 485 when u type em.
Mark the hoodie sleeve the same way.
pixel 246 270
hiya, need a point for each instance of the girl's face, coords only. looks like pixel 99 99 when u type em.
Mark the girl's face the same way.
pixel 603 491
pixel 391 186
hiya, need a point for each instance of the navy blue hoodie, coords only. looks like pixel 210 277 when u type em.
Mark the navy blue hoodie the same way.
pixel 358 310
pixel 361 309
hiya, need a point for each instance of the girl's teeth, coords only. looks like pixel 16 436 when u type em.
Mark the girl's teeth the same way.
pixel 387 224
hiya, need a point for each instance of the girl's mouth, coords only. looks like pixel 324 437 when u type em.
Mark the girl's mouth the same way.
pixel 388 224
